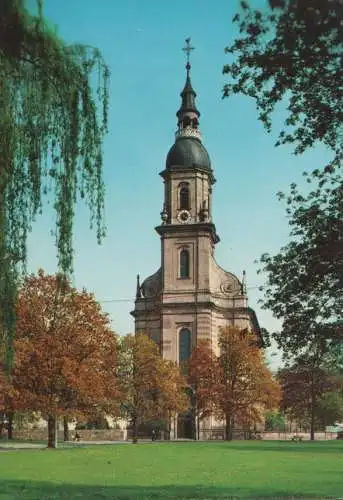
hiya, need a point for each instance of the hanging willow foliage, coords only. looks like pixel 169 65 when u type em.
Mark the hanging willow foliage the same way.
pixel 53 117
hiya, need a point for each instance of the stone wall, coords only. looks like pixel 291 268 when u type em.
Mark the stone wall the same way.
pixel 85 435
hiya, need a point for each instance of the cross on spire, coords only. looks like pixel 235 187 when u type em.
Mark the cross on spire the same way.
pixel 188 49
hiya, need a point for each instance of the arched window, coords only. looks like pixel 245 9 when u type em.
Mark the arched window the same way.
pixel 186 121
pixel 184 263
pixel 184 198
pixel 185 344
pixel 195 123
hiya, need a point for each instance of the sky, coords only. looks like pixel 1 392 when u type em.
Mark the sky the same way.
pixel 141 42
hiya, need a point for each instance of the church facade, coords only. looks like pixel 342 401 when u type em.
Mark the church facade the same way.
pixel 190 296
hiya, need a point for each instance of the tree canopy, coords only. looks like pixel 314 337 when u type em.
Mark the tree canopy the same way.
pixel 311 391
pixel 291 52
pixel 65 353
pixel 203 378
pixel 152 388
pixel 245 386
pixel 236 386
pixel 304 285
pixel 53 117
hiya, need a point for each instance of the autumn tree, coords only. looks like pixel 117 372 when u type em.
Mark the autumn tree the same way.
pixel 151 387
pixel 6 411
pixel 291 53
pixel 65 352
pixel 171 398
pixel 52 122
pixel 203 378
pixel 245 386
pixel 311 391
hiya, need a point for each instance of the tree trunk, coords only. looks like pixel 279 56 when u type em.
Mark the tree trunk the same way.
pixel 228 428
pixel 135 430
pixel 313 403
pixel 312 418
pixel 169 425
pixel 312 427
pixel 52 431
pixel 194 422
pixel 65 429
pixel 2 425
pixel 10 425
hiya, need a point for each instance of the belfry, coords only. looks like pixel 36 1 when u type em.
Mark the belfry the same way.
pixel 190 296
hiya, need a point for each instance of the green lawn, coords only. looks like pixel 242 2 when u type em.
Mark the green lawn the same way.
pixel 255 469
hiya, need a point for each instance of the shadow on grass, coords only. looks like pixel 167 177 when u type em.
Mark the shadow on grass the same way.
pixel 15 490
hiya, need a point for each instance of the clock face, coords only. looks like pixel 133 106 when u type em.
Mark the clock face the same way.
pixel 184 216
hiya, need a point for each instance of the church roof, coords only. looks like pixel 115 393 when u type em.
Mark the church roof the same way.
pixel 188 96
pixel 188 152
pixel 152 285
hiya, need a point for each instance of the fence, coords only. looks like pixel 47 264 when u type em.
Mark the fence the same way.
pixel 214 434
pixel 284 436
pixel 218 433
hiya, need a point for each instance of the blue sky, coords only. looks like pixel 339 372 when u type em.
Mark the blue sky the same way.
pixel 141 42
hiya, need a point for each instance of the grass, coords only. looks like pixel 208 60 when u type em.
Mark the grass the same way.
pixel 176 470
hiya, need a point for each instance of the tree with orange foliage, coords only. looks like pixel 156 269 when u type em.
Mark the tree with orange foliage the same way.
pixel 6 413
pixel 171 397
pixel 65 352
pixel 245 386
pixel 151 387
pixel 203 371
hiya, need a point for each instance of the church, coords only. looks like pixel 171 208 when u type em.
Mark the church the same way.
pixel 190 296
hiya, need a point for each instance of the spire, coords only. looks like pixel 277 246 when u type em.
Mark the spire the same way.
pixel 244 284
pixel 138 289
pixel 188 113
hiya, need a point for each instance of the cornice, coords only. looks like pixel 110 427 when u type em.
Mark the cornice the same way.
pixel 178 169
pixel 207 227
pixel 237 312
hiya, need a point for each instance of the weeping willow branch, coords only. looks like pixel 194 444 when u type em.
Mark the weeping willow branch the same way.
pixel 53 118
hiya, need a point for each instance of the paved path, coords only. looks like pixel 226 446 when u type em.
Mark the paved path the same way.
pixel 17 445
pixel 26 445
pixel 5 446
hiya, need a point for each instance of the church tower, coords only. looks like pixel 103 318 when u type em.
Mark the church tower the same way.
pixel 190 296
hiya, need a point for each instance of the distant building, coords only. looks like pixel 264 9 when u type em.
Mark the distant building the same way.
pixel 190 296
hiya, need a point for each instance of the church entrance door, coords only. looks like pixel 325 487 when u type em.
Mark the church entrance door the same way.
pixel 185 426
